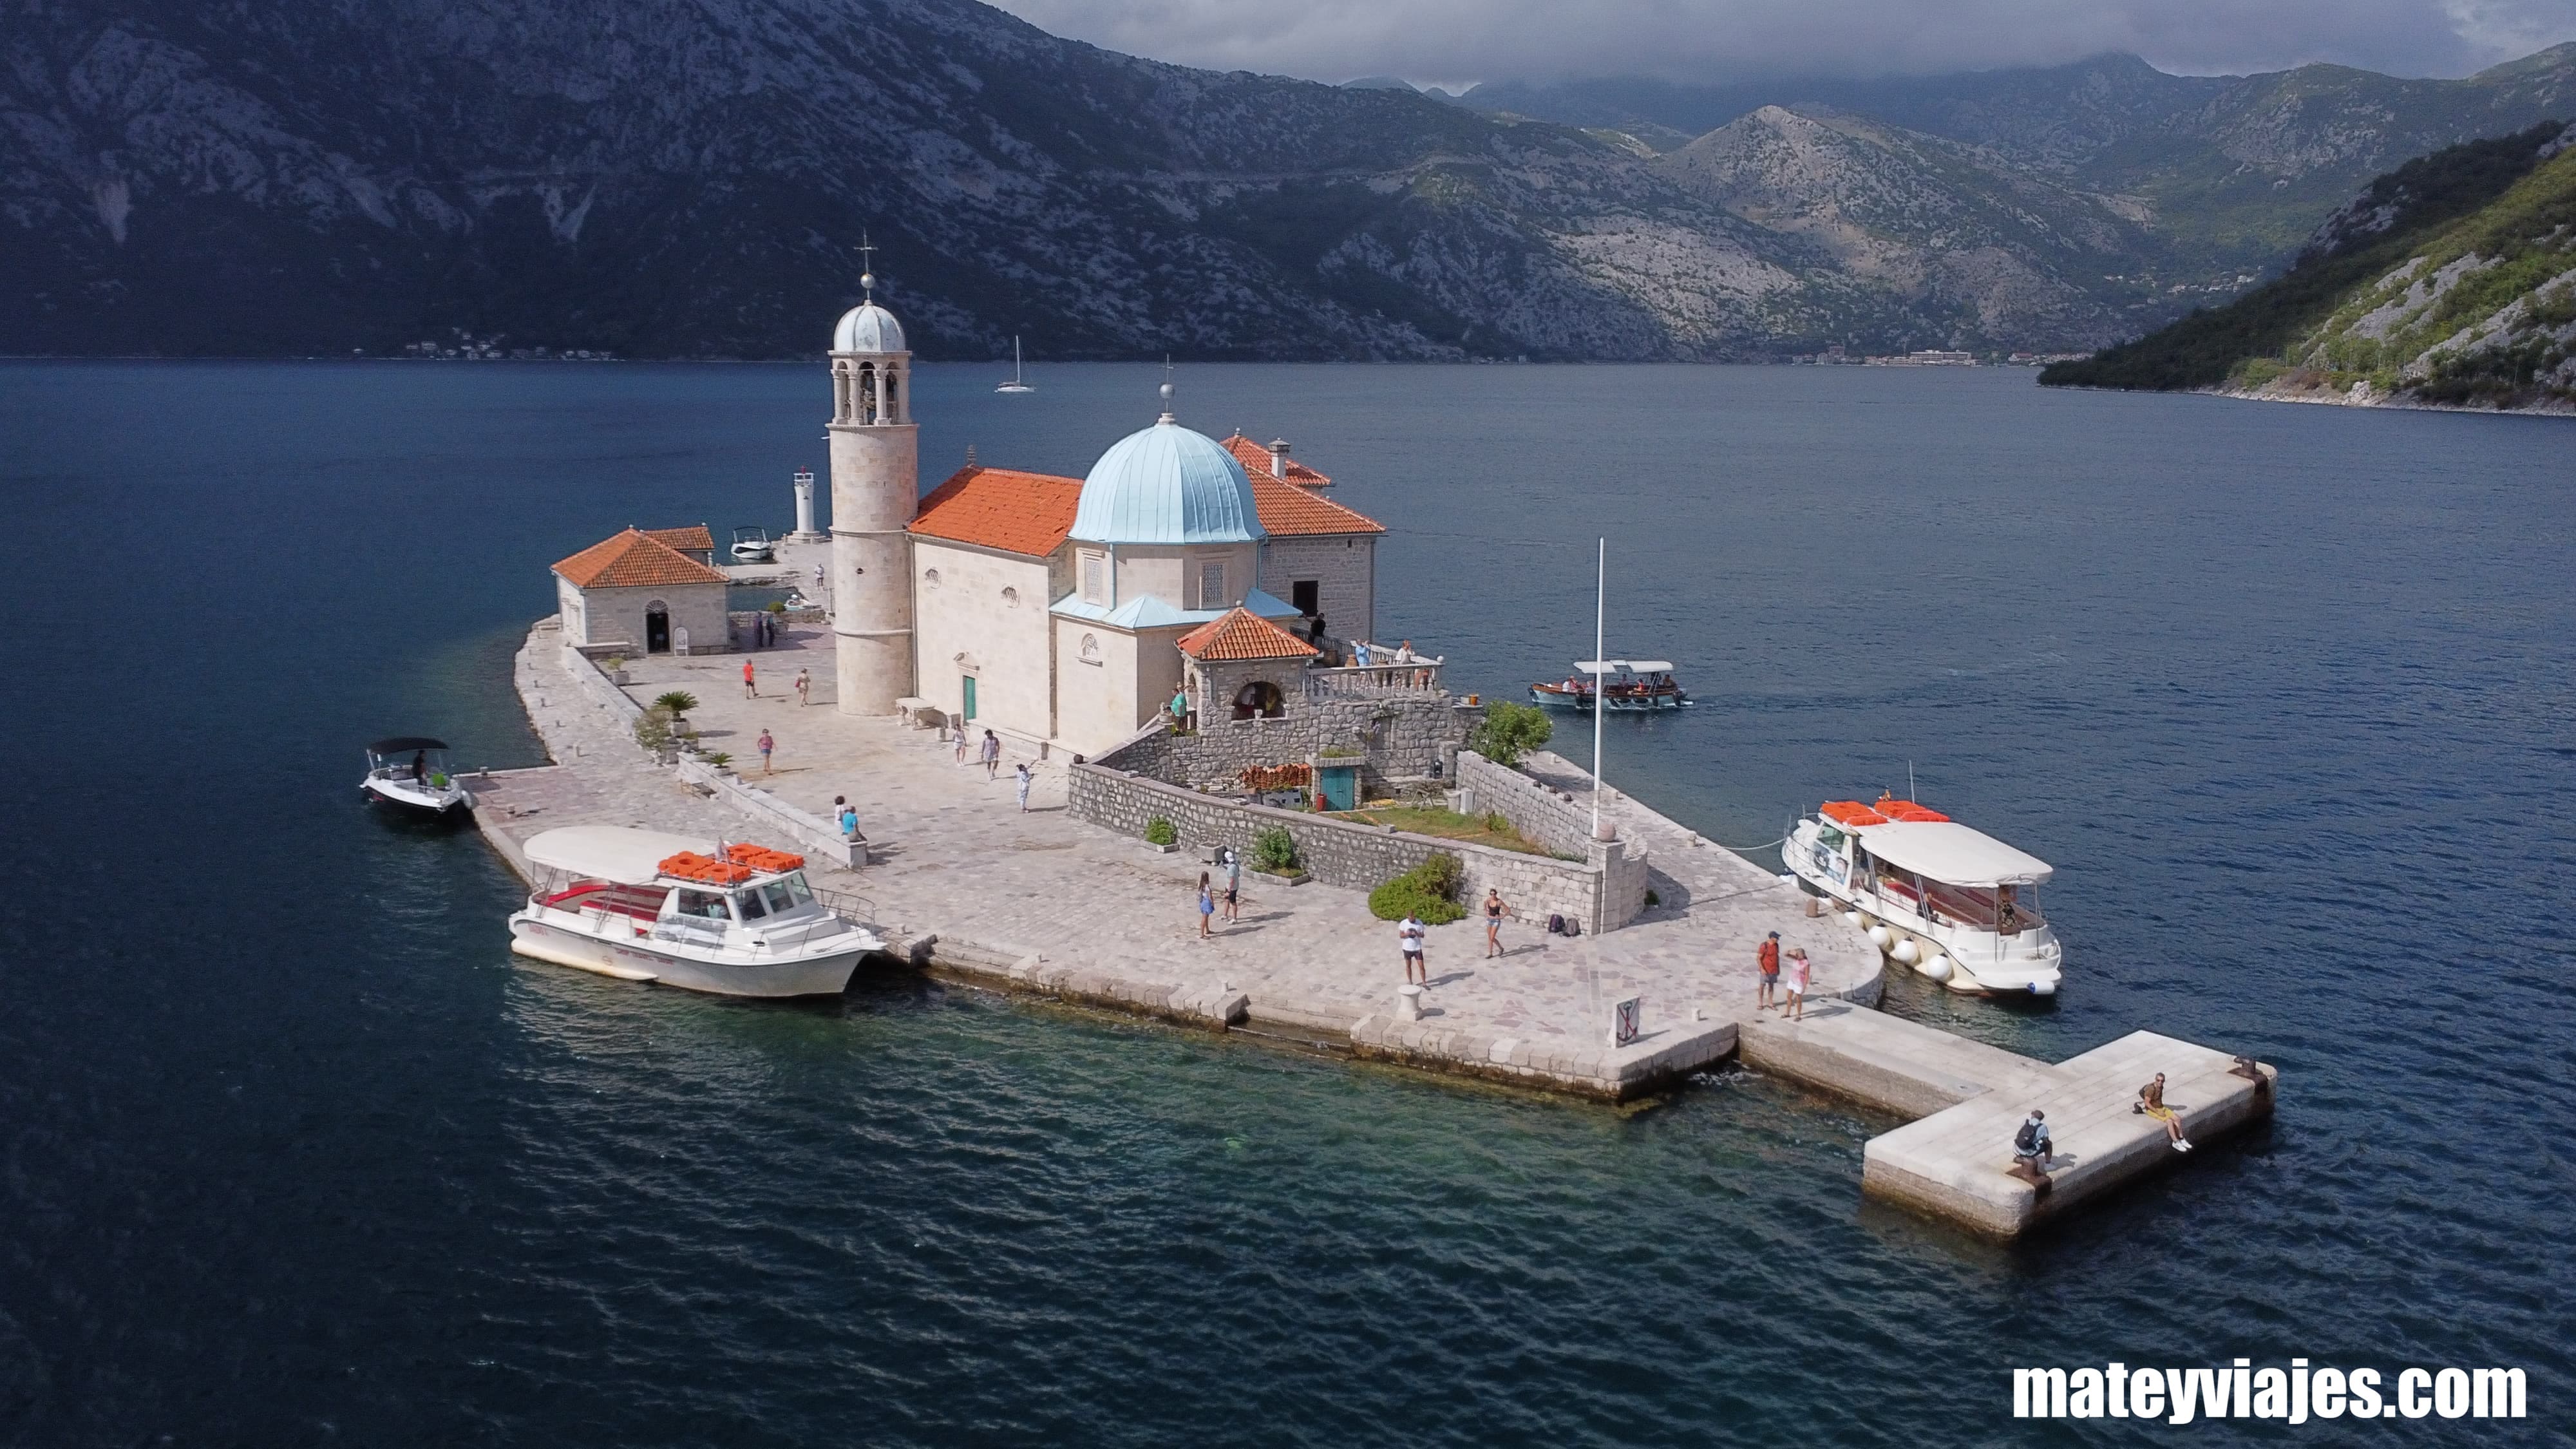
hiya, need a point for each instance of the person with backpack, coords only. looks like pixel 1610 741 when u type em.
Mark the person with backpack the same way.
pixel 2031 1147
pixel 1766 958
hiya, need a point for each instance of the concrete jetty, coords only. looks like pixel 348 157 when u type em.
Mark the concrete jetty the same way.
pixel 967 885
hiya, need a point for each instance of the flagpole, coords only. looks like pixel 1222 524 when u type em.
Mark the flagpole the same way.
pixel 1600 598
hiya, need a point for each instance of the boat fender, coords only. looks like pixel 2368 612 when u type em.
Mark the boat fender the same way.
pixel 1936 969
pixel 1881 937
pixel 1906 952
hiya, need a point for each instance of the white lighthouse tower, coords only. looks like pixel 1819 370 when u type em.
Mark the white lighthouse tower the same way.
pixel 876 486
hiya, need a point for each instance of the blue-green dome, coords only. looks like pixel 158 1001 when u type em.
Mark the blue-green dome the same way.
pixel 1166 484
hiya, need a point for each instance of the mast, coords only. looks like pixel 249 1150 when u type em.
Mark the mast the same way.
pixel 1600 597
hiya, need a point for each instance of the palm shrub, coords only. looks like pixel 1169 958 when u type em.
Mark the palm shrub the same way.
pixel 1510 731
pixel 1274 850
pixel 676 704
pixel 1159 831
pixel 1429 890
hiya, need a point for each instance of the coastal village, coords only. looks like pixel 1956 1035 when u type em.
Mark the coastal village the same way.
pixel 1017 725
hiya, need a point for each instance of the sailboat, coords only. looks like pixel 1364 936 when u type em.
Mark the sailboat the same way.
pixel 1015 385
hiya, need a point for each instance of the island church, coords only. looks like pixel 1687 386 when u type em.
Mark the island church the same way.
pixel 1067 612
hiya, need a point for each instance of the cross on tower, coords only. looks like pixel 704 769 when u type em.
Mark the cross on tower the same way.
pixel 867 268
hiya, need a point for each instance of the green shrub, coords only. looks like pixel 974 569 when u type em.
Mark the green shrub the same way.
pixel 1274 850
pixel 1510 731
pixel 1429 890
pixel 653 729
pixel 778 606
pixel 675 704
pixel 1159 831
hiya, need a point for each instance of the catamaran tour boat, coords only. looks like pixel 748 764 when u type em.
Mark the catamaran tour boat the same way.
pixel 409 772
pixel 1955 904
pixel 640 905
pixel 1624 684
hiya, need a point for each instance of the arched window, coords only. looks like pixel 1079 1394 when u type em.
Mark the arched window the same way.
pixel 1260 699
pixel 1090 648
pixel 1011 597
pixel 930 578
pixel 867 411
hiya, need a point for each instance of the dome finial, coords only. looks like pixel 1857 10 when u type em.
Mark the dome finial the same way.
pixel 1168 415
pixel 867 267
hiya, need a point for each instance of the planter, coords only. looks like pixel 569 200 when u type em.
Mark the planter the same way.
pixel 1161 849
pixel 1291 878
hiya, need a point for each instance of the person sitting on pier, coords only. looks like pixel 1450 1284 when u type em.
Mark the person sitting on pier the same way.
pixel 2031 1147
pixel 2151 1100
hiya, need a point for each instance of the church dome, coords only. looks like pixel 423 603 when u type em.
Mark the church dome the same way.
pixel 868 327
pixel 1166 484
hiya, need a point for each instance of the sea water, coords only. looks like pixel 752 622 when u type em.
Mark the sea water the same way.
pixel 292 1151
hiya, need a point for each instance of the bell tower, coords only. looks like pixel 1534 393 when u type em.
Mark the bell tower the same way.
pixel 876 487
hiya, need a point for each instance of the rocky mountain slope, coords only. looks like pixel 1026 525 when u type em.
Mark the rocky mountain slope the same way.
pixel 2448 282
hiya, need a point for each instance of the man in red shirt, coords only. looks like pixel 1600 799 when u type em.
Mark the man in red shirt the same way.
pixel 1768 958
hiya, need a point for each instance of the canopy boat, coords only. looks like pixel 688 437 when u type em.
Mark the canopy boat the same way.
pixel 1623 684
pixel 1015 384
pixel 640 905
pixel 1957 905
pixel 409 772
pixel 751 544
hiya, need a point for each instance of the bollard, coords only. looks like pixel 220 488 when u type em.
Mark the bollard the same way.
pixel 1408 1003
pixel 1815 907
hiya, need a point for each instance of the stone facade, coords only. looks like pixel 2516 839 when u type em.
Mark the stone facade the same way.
pixel 1343 568
pixel 1356 856
pixel 983 615
pixel 1548 817
pixel 1401 737
pixel 616 617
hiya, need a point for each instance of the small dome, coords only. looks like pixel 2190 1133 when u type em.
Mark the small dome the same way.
pixel 868 327
pixel 1166 484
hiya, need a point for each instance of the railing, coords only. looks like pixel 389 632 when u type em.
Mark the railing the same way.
pixel 1416 676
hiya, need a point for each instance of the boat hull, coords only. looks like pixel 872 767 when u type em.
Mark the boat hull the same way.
pixel 600 949
pixel 1581 705
pixel 422 802
pixel 2028 963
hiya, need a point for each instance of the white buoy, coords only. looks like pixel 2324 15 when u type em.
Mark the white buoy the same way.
pixel 1937 969
pixel 1881 937
pixel 1906 952
pixel 1851 918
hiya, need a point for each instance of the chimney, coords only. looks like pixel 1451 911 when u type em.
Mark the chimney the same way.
pixel 1279 459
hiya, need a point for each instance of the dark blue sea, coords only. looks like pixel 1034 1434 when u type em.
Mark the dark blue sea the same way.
pixel 291 1152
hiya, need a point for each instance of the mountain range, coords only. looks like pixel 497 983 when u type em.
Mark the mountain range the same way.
pixel 2450 281
pixel 693 177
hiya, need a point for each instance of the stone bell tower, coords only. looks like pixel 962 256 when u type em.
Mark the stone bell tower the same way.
pixel 876 486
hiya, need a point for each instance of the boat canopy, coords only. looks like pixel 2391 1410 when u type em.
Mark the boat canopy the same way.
pixel 403 744
pixel 1624 666
pixel 1953 854
pixel 619 854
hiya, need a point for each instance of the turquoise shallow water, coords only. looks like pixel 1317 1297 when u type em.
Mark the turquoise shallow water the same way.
pixel 290 1152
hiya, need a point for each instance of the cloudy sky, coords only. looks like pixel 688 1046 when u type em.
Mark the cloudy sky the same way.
pixel 1464 40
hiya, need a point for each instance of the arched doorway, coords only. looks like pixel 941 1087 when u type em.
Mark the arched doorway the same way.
pixel 657 628
pixel 1260 699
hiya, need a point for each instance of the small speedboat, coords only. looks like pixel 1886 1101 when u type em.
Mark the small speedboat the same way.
pixel 409 773
pixel 1623 685
pixel 752 545
pixel 1015 384
pixel 1953 904
pixel 642 905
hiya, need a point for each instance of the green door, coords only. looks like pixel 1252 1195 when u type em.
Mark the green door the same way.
pixel 1340 786
pixel 970 696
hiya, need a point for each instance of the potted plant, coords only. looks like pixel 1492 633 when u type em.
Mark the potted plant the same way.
pixel 677 703
pixel 615 665
pixel 1274 853
pixel 1162 836
pixel 718 760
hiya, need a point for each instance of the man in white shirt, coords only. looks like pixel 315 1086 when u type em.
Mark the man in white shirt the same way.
pixel 1408 934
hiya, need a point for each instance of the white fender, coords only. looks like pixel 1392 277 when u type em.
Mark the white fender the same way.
pixel 1937 969
pixel 1906 952
pixel 1881 937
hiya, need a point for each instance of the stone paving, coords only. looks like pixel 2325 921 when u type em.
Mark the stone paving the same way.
pixel 952 855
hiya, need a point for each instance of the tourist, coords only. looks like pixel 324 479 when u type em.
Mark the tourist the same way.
pixel 1207 907
pixel 1768 959
pixel 1495 910
pixel 764 744
pixel 1020 786
pixel 420 769
pixel 2151 1100
pixel 1360 653
pixel 818 576
pixel 804 687
pixel 1796 1009
pixel 2031 1146
pixel 1180 710
pixel 1233 883
pixel 992 755
pixel 749 689
pixel 961 741
pixel 1408 934
pixel 846 816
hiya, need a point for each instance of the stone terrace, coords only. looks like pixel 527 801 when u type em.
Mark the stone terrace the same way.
pixel 1043 902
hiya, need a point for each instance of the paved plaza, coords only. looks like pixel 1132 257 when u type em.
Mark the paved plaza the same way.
pixel 952 855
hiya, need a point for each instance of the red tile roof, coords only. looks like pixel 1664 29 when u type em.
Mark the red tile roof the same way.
pixel 634 560
pixel 695 536
pixel 1022 513
pixel 1242 634
pixel 1289 510
pixel 1256 457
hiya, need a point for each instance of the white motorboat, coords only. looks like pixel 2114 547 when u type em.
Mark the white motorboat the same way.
pixel 752 545
pixel 409 772
pixel 1015 384
pixel 1629 686
pixel 641 905
pixel 1954 904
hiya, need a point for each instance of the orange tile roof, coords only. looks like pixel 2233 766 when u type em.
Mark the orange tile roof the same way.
pixel 684 539
pixel 634 560
pixel 1242 634
pixel 1003 508
pixel 1256 456
pixel 1291 510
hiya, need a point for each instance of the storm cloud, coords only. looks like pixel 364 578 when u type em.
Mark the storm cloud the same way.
pixel 1720 40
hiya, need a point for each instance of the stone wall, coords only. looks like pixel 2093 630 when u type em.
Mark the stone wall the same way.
pixel 1401 736
pixel 1344 568
pixel 1549 818
pixel 1360 857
